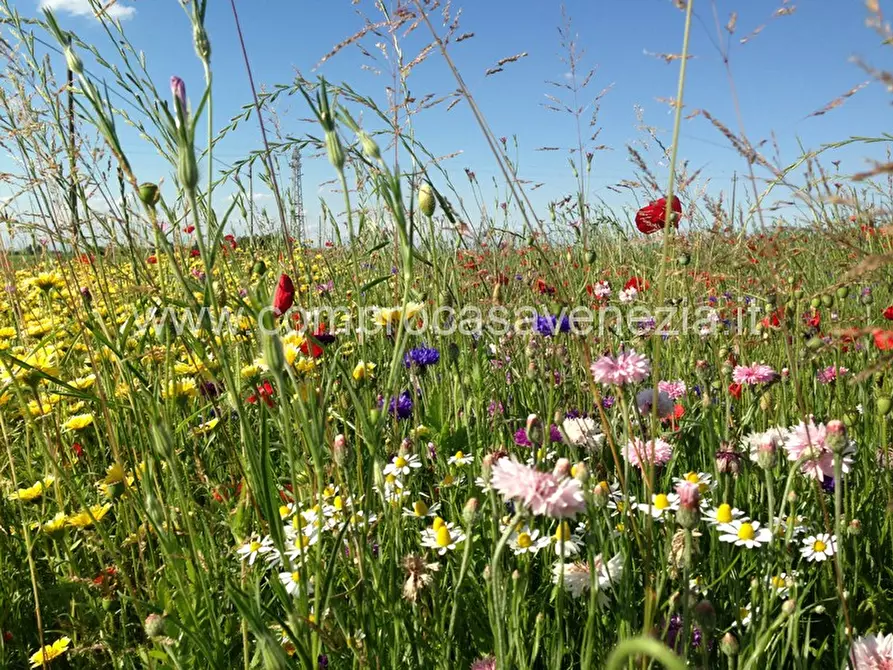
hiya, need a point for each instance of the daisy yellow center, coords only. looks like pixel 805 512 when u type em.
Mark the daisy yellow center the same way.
pixel 819 546
pixel 525 541
pixel 459 456
pixel 743 613
pixel 400 462
pixel 603 485
pixel 390 479
pixel 339 504
pixel 746 532
pixel 563 533
pixel 438 523
pixel 442 537
pixel 296 576
pixel 254 546
pixel 447 480
pixel 661 501
pixel 693 478
pixel 778 582
pixel 420 508
pixel 724 513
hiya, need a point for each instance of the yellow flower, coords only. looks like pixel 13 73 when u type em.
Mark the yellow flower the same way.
pixel 391 316
pixel 46 281
pixel 32 492
pixel 78 422
pixel 7 332
pixel 115 474
pixel 56 524
pixel 83 382
pixel 180 388
pixel 206 427
pixel 250 371
pixel 363 370
pixel 49 652
pixel 84 520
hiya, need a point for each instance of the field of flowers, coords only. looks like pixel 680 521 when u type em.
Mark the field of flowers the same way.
pixel 588 443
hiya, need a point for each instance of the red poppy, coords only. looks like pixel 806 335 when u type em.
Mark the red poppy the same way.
pixel 652 216
pixel 542 287
pixel 284 297
pixel 883 339
pixel 813 320
pixel 195 253
pixel 77 449
pixel 188 229
pixel 773 320
pixel 151 260
pixel 231 239
pixel 888 313
pixel 735 390
pixel 265 392
pixel 7 636
pixel 311 347
pixel 638 283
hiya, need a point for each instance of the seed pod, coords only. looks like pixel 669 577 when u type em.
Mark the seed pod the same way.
pixel 149 194
pixel 884 405
pixel 843 292
pixel 798 294
pixel 590 257
pixel 815 303
pixel 866 299
pixel 427 201
pixel 827 300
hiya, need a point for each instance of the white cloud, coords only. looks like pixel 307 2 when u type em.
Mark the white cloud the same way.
pixel 85 8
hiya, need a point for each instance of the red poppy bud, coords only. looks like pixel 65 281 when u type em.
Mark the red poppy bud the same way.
pixel 652 216
pixel 284 297
pixel 888 313
pixel 735 390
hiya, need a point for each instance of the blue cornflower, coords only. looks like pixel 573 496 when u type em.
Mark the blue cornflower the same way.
pixel 421 357
pixel 547 325
pixel 401 406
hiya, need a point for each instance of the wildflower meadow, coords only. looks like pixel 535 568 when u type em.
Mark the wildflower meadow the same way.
pixel 452 427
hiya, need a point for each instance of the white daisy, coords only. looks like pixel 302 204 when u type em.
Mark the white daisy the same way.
pixel 442 536
pixel 402 465
pixel 780 585
pixel 254 548
pixel 421 509
pixel 819 547
pixel 723 514
pixel 528 542
pixel 661 505
pixel 294 582
pixel 460 458
pixel 744 533
pixel 566 543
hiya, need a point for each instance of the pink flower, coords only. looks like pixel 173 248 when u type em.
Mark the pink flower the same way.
pixel 807 441
pixel 637 453
pixel 628 367
pixel 753 374
pixel 830 374
pixel 689 495
pixel 675 389
pixel 542 492
pixel 872 652
pixel 485 663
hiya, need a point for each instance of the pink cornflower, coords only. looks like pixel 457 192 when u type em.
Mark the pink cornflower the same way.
pixel 543 493
pixel 756 373
pixel 689 495
pixel 675 389
pixel 807 441
pixel 830 374
pixel 628 367
pixel 872 652
pixel 485 663
pixel 637 453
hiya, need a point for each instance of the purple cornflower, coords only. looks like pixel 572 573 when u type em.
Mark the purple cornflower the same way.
pixel 547 325
pixel 421 357
pixel 608 402
pixel 522 440
pixel 401 407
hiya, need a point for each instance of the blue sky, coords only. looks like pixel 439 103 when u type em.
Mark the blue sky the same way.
pixel 794 67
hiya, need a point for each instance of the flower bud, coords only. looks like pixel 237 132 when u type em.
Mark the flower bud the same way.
pixel 562 468
pixel 705 616
pixel 178 91
pixel 835 438
pixel 729 645
pixel 187 168
pixel 884 405
pixel 601 494
pixel 154 625
pixel 580 472
pixel 469 512
pixel 149 194
pixel 789 606
pixel 202 43
pixel 689 513
pixel 339 449
pixel 854 528
pixel 534 430
pixel 334 150
pixel 427 201
pixel 370 147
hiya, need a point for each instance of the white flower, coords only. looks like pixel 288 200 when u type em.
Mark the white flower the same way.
pixel 527 541
pixel 460 458
pixel 482 484
pixel 566 543
pixel 442 536
pixel 575 577
pixel 661 504
pixel 583 432
pixel 780 585
pixel 745 615
pixel 402 465
pixel 421 509
pixel 744 533
pixel 627 295
pixel 723 514
pixel 254 548
pixel 819 547
pixel 293 583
